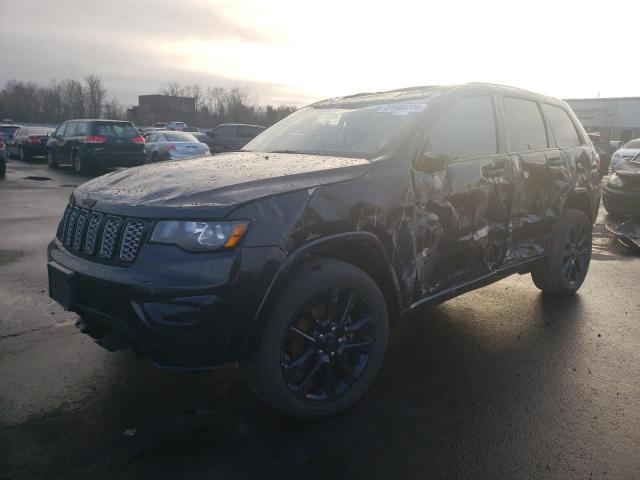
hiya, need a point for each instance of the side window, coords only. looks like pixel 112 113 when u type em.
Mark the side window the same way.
pixel 225 132
pixel 562 126
pixel 244 131
pixel 466 129
pixel 61 130
pixel 82 128
pixel 71 130
pixel 524 125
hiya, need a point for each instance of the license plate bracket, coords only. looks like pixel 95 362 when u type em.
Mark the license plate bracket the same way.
pixel 62 285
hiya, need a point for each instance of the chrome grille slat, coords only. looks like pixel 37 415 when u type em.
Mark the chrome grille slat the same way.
pixel 62 227
pixel 92 234
pixel 71 225
pixel 131 240
pixel 109 236
pixel 80 224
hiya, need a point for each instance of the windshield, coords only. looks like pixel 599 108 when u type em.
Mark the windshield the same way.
pixel 360 132
pixel 115 130
pixel 179 137
pixel 7 131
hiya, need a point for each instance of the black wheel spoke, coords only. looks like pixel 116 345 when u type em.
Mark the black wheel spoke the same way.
pixel 358 324
pixel 362 345
pixel 299 333
pixel 334 298
pixel 347 310
pixel 304 385
pixel 347 372
pixel 301 359
pixel 329 381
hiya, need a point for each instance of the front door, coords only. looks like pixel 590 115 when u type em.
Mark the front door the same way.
pixel 463 191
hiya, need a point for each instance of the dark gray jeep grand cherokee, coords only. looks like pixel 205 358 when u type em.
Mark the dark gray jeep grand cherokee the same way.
pixel 296 255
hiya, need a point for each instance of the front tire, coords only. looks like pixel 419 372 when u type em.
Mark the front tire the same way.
pixel 323 342
pixel 565 267
pixel 51 161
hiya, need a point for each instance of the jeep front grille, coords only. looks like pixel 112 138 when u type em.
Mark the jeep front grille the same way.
pixel 107 237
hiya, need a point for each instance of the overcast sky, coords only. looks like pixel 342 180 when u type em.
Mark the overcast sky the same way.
pixel 299 51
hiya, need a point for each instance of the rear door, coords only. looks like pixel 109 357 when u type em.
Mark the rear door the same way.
pixel 462 187
pixel 527 142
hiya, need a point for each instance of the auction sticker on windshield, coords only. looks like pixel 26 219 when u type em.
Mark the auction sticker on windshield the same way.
pixel 401 108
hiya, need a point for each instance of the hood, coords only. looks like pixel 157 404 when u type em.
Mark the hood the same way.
pixel 218 183
pixel 628 166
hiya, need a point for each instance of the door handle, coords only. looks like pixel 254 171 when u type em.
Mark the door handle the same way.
pixel 492 170
pixel 554 161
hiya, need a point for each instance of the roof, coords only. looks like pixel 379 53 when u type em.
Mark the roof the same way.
pixel 237 125
pixel 604 99
pixel 95 120
pixel 423 92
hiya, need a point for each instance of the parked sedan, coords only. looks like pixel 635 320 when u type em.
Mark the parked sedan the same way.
pixel 627 152
pixel 172 145
pixel 29 142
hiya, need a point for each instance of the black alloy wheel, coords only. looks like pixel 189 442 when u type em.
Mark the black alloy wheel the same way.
pixel 327 344
pixel 575 259
pixel 322 343
pixel 565 266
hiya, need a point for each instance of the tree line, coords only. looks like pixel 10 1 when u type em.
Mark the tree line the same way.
pixel 60 100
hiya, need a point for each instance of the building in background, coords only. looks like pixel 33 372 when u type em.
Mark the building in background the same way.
pixel 162 108
pixel 613 118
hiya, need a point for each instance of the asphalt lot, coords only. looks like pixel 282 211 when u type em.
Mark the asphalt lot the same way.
pixel 499 383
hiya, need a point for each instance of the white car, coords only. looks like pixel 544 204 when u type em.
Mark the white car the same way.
pixel 175 125
pixel 171 145
pixel 627 152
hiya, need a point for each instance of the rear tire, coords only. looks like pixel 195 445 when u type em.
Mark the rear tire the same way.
pixel 312 363
pixel 23 156
pixel 565 267
pixel 78 165
pixel 51 161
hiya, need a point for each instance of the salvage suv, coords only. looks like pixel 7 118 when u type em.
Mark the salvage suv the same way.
pixel 298 254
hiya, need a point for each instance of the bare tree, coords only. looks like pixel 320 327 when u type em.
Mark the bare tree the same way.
pixel 113 110
pixel 173 89
pixel 95 93
pixel 74 98
pixel 51 103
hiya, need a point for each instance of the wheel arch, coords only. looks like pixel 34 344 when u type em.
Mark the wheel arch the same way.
pixel 579 199
pixel 360 249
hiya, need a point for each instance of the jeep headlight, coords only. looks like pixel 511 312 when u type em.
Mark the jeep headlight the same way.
pixel 199 236
pixel 615 181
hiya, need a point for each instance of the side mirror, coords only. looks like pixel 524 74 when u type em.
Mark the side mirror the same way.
pixel 428 163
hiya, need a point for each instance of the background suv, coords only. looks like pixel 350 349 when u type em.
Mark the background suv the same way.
pixel 297 255
pixel 232 136
pixel 29 142
pixel 95 144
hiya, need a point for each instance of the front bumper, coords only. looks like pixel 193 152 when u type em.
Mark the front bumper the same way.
pixel 622 202
pixel 182 310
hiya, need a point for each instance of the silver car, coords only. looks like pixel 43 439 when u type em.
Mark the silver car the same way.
pixel 171 145
pixel 627 152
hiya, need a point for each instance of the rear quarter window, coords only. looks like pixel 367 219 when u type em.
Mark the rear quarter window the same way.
pixel 524 125
pixel 562 127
